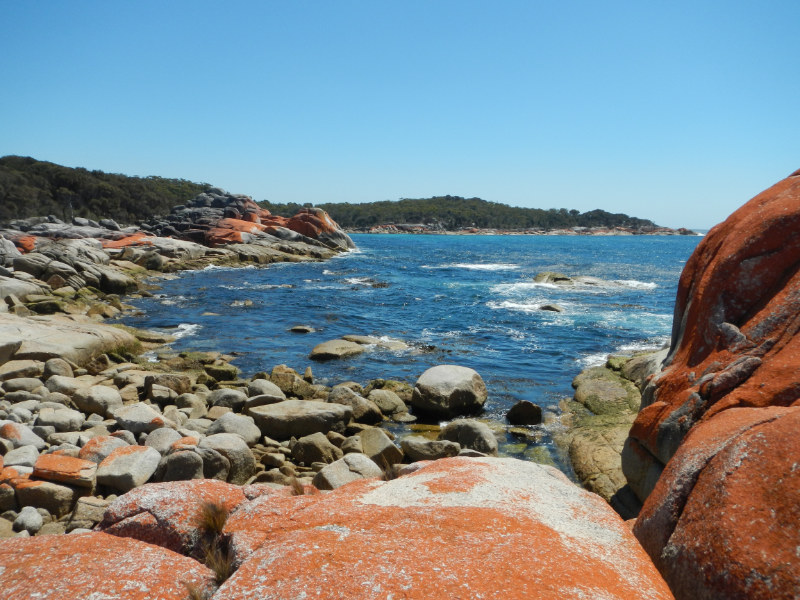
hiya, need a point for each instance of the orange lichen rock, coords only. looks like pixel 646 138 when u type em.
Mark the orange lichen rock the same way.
pixel 137 239
pixel 65 469
pixel 96 565
pixel 724 518
pixel 736 331
pixel 166 514
pixel 455 528
pixel 24 243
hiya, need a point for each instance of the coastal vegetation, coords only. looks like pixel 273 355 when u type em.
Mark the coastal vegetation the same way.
pixel 455 212
pixel 31 188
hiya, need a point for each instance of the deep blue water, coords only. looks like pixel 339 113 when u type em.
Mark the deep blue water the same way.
pixel 467 300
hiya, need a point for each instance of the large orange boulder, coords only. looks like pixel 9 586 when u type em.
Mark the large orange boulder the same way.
pixel 736 331
pixel 167 514
pixel 317 224
pixel 96 565
pixel 455 528
pixel 724 518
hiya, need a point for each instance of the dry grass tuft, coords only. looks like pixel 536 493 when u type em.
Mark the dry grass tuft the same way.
pixel 195 592
pixel 212 517
pixel 388 470
pixel 219 559
pixel 297 487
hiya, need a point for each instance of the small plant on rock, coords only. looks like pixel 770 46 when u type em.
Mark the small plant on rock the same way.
pixel 196 592
pixel 216 553
pixel 388 470
pixel 212 517
pixel 217 557
pixel 296 487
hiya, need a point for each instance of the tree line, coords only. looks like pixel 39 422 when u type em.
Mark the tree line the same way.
pixel 455 212
pixel 33 188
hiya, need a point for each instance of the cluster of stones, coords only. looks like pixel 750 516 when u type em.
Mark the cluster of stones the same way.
pixel 72 438
pixel 51 267
pixel 88 276
pixel 215 217
pixel 597 421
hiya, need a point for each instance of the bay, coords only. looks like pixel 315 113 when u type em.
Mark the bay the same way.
pixel 466 300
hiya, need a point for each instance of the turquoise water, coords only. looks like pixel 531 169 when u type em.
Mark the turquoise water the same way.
pixel 467 300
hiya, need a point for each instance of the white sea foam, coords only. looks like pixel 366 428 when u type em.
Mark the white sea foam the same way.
pixel 219 268
pixel 185 330
pixel 172 300
pixel 592 286
pixel 525 306
pixel 599 359
pixel 487 266
pixel 637 285
pixel 510 289
pixel 358 280
pixel 475 266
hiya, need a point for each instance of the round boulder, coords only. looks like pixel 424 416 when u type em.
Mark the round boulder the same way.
pixel 241 425
pixel 525 412
pixel 471 434
pixel 346 469
pixel 233 399
pixel 449 390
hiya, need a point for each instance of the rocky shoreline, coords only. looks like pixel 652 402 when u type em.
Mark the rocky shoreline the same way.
pixel 192 483
pixel 599 231
pixel 77 396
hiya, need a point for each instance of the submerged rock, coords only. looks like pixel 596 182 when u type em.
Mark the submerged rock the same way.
pixel 335 349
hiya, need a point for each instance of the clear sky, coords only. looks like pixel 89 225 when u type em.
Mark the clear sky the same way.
pixel 677 111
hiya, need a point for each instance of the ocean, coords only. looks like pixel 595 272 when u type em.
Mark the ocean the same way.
pixel 465 300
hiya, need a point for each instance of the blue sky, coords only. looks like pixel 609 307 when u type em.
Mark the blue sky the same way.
pixel 674 111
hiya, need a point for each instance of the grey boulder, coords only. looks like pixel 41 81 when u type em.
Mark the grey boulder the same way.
pixel 241 425
pixel 127 468
pixel 449 390
pixel 471 434
pixel 299 418
pixel 419 448
pixel 315 448
pixel 364 411
pixel 161 439
pixel 350 467
pixel 232 447
pixel 63 419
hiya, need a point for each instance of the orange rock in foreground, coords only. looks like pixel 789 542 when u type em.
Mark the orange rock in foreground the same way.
pixel 456 528
pixel 724 519
pixel 166 514
pixel 736 331
pixel 95 565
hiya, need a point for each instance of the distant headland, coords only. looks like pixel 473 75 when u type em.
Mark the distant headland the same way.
pixel 33 188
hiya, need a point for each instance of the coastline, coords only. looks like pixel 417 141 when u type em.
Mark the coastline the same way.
pixel 576 231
